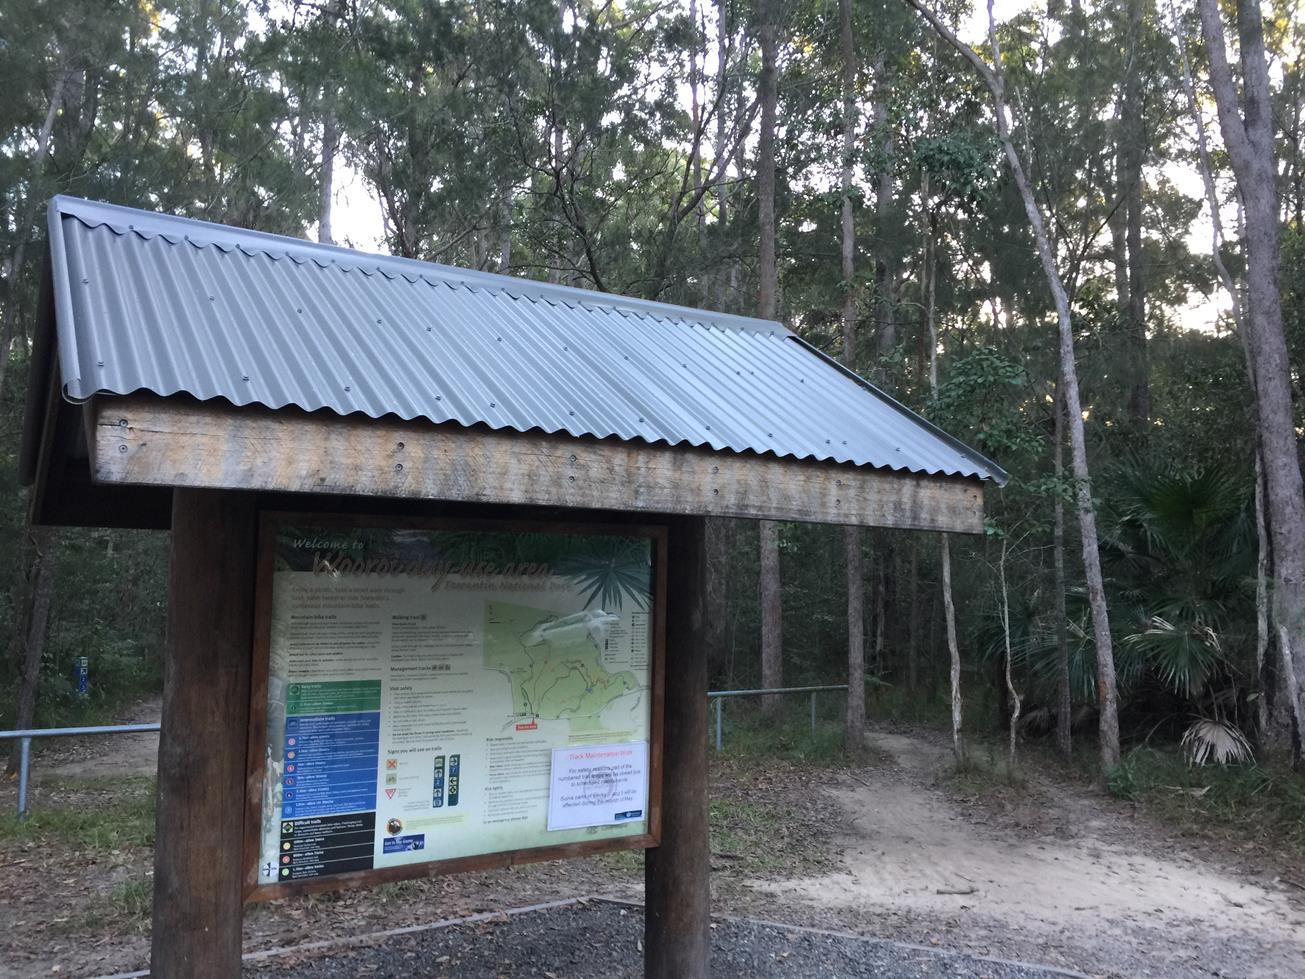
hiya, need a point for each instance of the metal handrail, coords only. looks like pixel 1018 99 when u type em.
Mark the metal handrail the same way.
pixel 720 696
pixel 25 735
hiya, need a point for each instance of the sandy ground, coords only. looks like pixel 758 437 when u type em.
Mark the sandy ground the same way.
pixel 1066 878
pixel 1084 886
pixel 109 756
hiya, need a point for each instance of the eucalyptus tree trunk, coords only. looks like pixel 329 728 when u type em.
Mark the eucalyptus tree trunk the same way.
pixel 1107 688
pixel 1273 723
pixel 913 632
pixel 1064 698
pixel 949 615
pixel 1132 147
pixel 700 208
pixel 330 143
pixel 504 265
pixel 1015 702
pixel 28 640
pixel 768 95
pixel 772 668
pixel 885 273
pixel 720 531
pixel 723 275
pixel 854 721
pixel 772 621
pixel 1248 135
pixel 14 269
pixel 929 273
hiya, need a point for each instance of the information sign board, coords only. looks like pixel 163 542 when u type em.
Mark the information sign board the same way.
pixel 435 696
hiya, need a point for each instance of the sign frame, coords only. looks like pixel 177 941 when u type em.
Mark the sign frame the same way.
pixel 269 523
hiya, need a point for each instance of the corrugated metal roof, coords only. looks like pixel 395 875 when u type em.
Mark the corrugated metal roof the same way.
pixel 152 302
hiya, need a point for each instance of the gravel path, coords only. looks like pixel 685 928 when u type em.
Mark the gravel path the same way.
pixel 604 940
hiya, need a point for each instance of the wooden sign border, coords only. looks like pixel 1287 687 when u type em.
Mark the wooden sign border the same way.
pixel 269 523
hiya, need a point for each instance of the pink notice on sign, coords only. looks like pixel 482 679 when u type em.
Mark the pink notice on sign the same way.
pixel 598 785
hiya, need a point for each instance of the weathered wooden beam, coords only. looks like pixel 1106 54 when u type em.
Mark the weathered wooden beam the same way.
pixel 152 441
pixel 199 828
pixel 677 873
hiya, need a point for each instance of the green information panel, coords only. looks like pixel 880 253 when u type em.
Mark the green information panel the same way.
pixel 435 694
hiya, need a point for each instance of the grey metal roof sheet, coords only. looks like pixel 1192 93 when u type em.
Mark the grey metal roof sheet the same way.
pixel 152 302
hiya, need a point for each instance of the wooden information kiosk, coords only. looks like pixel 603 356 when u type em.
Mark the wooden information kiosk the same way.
pixel 438 560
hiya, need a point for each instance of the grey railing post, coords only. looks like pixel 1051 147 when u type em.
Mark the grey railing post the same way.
pixel 24 763
pixel 24 738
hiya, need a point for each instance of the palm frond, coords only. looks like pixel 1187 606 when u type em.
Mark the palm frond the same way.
pixel 1209 740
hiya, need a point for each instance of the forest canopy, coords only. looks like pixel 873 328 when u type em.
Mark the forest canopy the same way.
pixel 1061 234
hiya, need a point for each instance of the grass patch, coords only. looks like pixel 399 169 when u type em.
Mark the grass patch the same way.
pixel 1236 803
pixel 95 814
pixel 744 837
pixel 750 737
pixel 623 863
pixel 133 899
pixel 985 768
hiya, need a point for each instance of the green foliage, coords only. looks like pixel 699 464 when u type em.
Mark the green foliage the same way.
pixel 750 737
pixel 86 814
pixel 1249 803
pixel 557 140
pixel 980 397
pixel 1181 550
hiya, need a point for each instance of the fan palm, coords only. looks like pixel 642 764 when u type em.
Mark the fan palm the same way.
pixel 1180 548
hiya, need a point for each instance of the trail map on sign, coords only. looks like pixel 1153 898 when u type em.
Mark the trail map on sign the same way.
pixel 420 685
pixel 555 664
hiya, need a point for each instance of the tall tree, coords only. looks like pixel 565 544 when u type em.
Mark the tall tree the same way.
pixel 1132 144
pixel 854 724
pixel 27 641
pixel 993 78
pixel 770 586
pixel 1246 122
pixel 928 273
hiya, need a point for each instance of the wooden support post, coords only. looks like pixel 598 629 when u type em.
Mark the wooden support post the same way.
pixel 677 884
pixel 199 823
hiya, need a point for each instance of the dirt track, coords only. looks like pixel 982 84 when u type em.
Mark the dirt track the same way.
pixel 1065 877
pixel 1080 884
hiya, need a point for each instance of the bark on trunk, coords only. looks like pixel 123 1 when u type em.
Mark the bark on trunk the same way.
pixel 720 534
pixel 913 638
pixel 1107 690
pixel 772 673
pixel 724 297
pixel 767 93
pixel 505 232
pixel 700 209
pixel 30 628
pixel 16 261
pixel 953 649
pixel 330 143
pixel 949 604
pixel 1012 693
pixel 1247 127
pixel 1274 706
pixel 854 726
pixel 885 274
pixel 1064 705
pixel 1131 153
pixel 772 621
